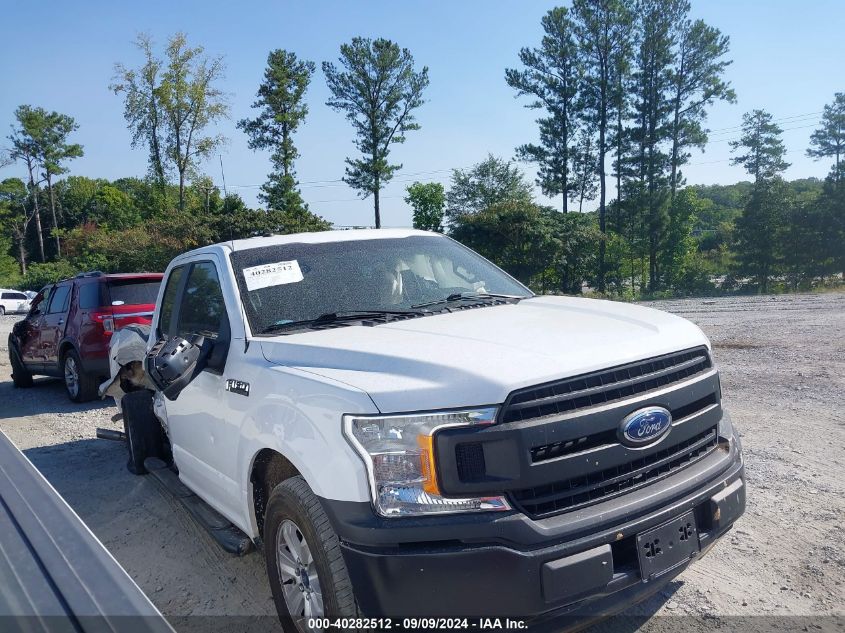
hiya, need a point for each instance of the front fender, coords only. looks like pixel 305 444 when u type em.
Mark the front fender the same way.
pixel 298 415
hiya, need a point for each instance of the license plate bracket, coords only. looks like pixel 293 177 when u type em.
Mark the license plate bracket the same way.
pixel 665 547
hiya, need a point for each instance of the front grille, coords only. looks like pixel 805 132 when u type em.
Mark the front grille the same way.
pixel 576 492
pixel 609 385
pixel 603 438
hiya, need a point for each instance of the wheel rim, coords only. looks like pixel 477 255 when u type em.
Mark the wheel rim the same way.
pixel 71 376
pixel 298 573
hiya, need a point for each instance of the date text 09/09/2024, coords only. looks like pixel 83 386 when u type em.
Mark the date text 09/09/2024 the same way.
pixel 417 623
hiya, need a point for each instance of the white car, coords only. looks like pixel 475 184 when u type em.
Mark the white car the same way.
pixel 13 302
pixel 407 431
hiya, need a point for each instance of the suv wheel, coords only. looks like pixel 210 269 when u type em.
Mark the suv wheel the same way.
pixel 2 311
pixel 305 566
pixel 80 386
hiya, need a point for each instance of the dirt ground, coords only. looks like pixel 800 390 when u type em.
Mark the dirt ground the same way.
pixel 783 376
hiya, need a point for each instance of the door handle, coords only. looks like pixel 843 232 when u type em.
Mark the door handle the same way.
pixel 61 321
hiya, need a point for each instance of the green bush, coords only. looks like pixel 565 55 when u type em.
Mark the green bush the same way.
pixel 10 275
pixel 39 275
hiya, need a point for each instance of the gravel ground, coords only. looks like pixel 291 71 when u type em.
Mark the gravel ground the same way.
pixel 783 375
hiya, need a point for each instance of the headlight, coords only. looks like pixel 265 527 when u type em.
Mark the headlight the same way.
pixel 398 451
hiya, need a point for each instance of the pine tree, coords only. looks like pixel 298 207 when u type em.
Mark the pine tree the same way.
pixel 762 145
pixel 551 75
pixel 759 231
pixel 378 89
pixel 602 28
pixel 696 82
pixel 652 110
pixel 829 140
pixel 281 109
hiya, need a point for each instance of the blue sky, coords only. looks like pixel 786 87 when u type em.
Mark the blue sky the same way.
pixel 61 56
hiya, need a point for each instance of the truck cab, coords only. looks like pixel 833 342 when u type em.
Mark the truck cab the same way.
pixel 405 430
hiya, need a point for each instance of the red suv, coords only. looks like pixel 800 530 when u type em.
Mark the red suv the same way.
pixel 66 333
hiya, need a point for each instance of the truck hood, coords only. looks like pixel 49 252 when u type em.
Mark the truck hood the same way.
pixel 478 356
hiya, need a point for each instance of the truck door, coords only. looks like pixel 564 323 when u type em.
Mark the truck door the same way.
pixel 203 429
pixel 53 324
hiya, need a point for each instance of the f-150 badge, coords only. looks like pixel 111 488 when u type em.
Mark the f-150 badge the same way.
pixel 237 386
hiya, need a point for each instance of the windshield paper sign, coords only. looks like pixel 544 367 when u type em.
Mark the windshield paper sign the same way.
pixel 268 275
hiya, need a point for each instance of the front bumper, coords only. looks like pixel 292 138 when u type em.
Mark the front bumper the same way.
pixel 485 565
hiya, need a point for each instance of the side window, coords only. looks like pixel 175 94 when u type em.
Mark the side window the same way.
pixel 39 302
pixel 202 310
pixel 89 296
pixel 6 295
pixel 168 301
pixel 60 300
pixel 19 296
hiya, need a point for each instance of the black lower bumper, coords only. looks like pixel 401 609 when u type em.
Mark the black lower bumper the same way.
pixel 486 568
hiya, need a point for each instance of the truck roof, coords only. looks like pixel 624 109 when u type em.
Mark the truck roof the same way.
pixel 318 237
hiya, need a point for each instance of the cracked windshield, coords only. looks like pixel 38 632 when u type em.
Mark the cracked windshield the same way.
pixel 290 283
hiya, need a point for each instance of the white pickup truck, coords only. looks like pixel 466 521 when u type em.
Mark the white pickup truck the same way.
pixel 405 430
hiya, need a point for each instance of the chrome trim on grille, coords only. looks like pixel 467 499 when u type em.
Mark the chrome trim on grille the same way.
pixel 648 395
pixel 692 416
pixel 616 385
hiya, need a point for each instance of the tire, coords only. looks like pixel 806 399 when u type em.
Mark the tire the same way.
pixel 21 376
pixel 80 385
pixel 2 311
pixel 294 514
pixel 144 435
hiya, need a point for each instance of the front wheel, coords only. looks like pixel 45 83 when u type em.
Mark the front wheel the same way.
pixel 305 566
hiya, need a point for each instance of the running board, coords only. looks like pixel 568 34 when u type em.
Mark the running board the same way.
pixel 229 537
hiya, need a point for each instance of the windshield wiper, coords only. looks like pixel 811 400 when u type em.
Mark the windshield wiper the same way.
pixel 340 317
pixel 459 296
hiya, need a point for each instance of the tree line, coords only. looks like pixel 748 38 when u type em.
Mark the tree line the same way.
pixel 621 87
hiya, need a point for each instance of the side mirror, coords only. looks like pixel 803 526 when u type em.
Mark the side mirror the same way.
pixel 172 364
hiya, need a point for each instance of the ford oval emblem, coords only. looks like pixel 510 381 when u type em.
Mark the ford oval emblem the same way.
pixel 645 426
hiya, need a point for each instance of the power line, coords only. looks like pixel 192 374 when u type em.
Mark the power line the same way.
pixel 725 160
pixel 780 120
pixel 409 176
pixel 786 129
pixel 353 199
